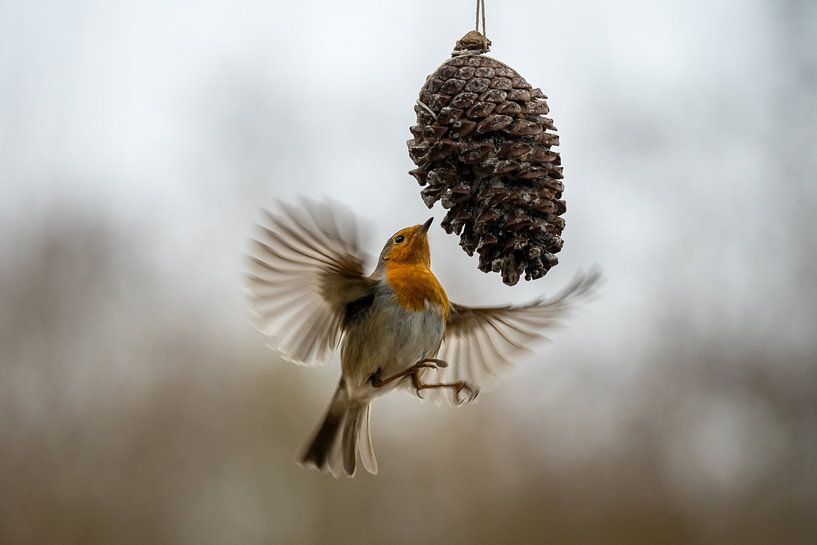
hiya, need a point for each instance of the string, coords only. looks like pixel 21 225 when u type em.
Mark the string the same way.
pixel 481 9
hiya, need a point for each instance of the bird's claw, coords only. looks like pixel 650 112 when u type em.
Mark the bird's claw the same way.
pixel 471 393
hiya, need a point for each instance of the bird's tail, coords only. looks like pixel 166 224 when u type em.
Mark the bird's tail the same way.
pixel 345 431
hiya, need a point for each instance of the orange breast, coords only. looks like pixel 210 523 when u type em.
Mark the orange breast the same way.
pixel 416 284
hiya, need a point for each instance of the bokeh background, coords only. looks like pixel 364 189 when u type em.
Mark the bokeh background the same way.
pixel 138 141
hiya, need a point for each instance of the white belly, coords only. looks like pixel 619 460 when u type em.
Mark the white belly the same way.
pixel 391 339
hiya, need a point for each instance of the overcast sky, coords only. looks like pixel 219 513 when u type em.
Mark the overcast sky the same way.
pixel 687 129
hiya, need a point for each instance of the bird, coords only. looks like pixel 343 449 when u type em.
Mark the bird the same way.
pixel 396 327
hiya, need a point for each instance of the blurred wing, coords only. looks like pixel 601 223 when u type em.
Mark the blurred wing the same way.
pixel 480 343
pixel 305 273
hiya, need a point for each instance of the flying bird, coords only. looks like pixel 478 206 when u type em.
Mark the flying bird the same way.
pixel 396 327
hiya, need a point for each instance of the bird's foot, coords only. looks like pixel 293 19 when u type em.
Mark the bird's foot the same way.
pixel 463 391
pixel 413 371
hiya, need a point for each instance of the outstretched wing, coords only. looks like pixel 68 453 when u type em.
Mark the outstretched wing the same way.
pixel 480 343
pixel 305 278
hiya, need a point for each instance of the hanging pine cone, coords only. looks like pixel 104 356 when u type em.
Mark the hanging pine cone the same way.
pixel 482 147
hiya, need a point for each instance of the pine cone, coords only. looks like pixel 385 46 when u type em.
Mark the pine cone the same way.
pixel 482 147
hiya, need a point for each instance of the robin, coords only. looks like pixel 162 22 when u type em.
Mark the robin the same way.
pixel 395 326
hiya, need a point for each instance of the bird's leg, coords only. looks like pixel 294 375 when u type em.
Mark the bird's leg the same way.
pixel 459 386
pixel 414 371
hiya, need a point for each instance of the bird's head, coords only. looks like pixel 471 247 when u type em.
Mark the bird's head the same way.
pixel 408 246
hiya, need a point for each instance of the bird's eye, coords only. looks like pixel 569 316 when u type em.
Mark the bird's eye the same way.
pixel 399 238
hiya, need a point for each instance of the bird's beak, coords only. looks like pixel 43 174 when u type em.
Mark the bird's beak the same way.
pixel 424 227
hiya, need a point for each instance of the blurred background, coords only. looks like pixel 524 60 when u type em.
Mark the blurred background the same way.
pixel 138 141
